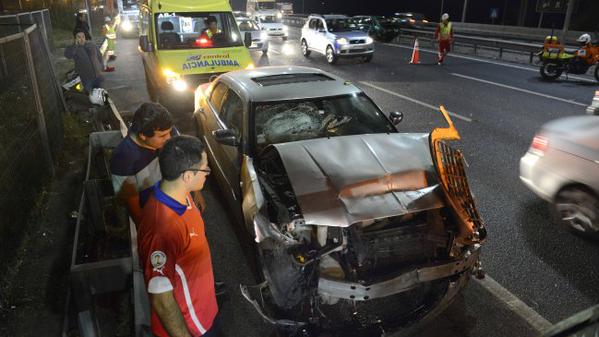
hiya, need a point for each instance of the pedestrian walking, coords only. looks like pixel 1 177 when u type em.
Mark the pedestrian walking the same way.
pixel 173 248
pixel 109 33
pixel 88 61
pixel 444 35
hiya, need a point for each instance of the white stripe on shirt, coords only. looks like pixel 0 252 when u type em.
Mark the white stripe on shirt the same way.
pixel 190 307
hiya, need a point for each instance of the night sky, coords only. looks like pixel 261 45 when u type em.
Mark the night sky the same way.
pixel 478 10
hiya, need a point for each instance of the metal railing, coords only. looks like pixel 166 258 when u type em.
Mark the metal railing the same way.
pixel 31 111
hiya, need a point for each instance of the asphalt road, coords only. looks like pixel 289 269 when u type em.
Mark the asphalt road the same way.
pixel 497 109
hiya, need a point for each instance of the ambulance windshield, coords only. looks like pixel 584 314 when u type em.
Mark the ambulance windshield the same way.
pixel 197 30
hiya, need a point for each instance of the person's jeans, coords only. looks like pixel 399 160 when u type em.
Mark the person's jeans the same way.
pixel 91 84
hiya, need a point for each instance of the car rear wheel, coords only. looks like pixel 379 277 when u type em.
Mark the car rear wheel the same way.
pixel 597 72
pixel 578 209
pixel 305 50
pixel 330 54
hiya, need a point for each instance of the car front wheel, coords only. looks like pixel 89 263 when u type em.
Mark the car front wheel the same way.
pixel 305 50
pixel 578 209
pixel 330 54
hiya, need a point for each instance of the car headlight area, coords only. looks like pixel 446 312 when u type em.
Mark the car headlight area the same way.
pixel 127 26
pixel 175 80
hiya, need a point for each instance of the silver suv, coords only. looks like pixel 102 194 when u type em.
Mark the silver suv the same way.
pixel 335 36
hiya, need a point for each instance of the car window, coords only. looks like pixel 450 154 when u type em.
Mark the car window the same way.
pixel 232 111
pixel 319 25
pixel 313 24
pixel 217 95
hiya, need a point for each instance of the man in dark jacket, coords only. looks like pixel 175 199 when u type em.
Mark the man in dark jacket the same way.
pixel 88 61
pixel 82 25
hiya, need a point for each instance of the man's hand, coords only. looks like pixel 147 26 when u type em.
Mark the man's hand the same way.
pixel 169 314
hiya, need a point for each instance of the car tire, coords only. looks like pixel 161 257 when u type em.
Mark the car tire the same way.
pixel 332 58
pixel 367 59
pixel 597 72
pixel 551 71
pixel 578 210
pixel 305 50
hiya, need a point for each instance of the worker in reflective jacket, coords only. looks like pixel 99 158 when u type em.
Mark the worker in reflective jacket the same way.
pixel 207 36
pixel 444 35
pixel 109 32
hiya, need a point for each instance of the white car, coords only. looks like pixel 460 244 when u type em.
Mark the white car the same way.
pixel 562 167
pixel 335 36
pixel 272 24
pixel 259 37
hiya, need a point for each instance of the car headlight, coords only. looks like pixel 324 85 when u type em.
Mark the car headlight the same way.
pixel 369 40
pixel 279 15
pixel 126 25
pixel 263 35
pixel 285 28
pixel 175 80
pixel 342 41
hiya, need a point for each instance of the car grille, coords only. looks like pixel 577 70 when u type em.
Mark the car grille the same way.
pixel 357 41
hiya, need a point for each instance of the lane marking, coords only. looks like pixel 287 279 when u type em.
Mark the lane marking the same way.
pixel 520 90
pixel 486 61
pixel 514 304
pixel 436 108
pixel 271 50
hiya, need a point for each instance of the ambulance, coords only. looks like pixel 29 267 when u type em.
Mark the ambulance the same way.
pixel 185 43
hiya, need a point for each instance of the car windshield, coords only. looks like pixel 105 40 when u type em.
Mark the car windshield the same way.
pixel 281 122
pixel 269 19
pixel 197 30
pixel 265 6
pixel 247 26
pixel 341 25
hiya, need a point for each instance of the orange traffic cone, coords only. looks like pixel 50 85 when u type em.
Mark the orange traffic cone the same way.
pixel 415 54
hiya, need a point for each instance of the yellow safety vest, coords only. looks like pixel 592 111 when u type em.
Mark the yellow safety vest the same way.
pixel 445 31
pixel 110 32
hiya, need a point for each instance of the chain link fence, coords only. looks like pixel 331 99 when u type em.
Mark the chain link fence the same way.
pixel 31 120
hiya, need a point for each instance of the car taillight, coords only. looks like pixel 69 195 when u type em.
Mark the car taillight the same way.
pixel 539 145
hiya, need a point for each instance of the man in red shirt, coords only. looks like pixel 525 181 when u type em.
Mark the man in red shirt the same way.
pixel 173 249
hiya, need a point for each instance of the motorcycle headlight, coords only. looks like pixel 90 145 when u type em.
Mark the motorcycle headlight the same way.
pixel 342 41
pixel 369 40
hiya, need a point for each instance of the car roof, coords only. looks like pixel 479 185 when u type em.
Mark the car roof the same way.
pixel 282 83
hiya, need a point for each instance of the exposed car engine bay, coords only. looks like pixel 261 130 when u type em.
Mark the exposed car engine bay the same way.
pixel 379 245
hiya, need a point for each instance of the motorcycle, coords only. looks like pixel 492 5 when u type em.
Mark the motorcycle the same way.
pixel 556 60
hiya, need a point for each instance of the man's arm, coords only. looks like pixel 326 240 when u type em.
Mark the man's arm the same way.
pixel 69 52
pixel 126 191
pixel 170 315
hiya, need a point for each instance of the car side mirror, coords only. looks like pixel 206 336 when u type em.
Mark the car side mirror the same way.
pixel 226 137
pixel 145 44
pixel 247 39
pixel 396 117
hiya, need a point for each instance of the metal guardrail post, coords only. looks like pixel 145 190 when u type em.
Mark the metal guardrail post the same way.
pixel 41 121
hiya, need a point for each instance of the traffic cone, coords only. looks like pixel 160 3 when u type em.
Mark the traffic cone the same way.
pixel 415 54
pixel 593 109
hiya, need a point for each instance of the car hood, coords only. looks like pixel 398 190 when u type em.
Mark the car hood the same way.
pixel 340 181
pixel 272 25
pixel 351 35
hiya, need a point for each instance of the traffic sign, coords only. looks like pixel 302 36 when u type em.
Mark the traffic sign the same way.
pixel 552 6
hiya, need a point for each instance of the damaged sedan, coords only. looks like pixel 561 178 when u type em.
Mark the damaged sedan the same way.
pixel 357 227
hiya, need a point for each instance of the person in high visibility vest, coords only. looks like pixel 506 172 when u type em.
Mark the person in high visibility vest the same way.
pixel 109 32
pixel 205 39
pixel 444 35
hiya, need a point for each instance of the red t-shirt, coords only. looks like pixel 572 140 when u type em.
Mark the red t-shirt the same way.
pixel 175 256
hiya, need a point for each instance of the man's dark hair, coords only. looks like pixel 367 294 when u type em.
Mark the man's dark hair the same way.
pixel 151 117
pixel 77 31
pixel 211 19
pixel 179 154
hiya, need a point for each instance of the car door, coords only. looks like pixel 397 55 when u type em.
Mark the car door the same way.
pixel 228 157
pixel 308 33
pixel 321 36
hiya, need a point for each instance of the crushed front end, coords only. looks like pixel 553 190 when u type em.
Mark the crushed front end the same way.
pixel 371 246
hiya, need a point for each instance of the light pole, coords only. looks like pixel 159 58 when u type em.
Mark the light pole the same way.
pixel 464 10
pixel 442 5
pixel 568 16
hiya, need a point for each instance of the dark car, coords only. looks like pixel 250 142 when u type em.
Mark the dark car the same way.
pixel 411 20
pixel 380 28
pixel 356 225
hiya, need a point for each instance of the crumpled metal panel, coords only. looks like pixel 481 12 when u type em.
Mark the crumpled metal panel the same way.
pixel 321 170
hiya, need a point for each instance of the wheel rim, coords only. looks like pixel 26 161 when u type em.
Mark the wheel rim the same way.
pixel 330 54
pixel 578 212
pixel 304 47
pixel 551 69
